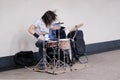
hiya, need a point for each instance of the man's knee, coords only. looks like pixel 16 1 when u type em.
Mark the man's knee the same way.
pixel 39 43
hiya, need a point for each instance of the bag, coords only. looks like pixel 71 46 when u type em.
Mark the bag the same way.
pixel 24 58
pixel 78 46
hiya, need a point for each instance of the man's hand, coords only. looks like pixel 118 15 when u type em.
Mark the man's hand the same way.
pixel 41 37
pixel 31 29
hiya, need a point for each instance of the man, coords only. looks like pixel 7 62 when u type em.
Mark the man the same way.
pixel 41 27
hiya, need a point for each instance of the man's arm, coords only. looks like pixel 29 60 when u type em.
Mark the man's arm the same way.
pixel 31 29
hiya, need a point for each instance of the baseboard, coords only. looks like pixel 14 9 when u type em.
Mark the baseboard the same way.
pixel 7 63
pixel 102 47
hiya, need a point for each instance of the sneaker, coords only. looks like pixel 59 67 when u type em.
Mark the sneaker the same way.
pixel 39 68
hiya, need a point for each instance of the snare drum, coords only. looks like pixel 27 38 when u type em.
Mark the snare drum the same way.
pixel 65 44
pixel 52 43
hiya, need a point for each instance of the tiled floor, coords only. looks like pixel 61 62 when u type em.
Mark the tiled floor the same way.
pixel 104 66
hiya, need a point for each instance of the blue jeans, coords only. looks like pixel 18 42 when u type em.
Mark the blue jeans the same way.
pixel 39 44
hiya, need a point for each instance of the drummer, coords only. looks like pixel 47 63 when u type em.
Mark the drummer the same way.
pixel 41 27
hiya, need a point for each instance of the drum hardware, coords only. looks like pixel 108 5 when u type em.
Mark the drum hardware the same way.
pixel 59 62
pixel 68 57
pixel 44 60
pixel 54 59
pixel 61 45
pixel 56 46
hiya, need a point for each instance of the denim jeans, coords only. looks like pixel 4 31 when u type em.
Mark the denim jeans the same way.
pixel 39 44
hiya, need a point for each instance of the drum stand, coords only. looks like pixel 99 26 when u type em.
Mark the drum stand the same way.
pixel 58 62
pixel 54 58
pixel 44 60
pixel 73 41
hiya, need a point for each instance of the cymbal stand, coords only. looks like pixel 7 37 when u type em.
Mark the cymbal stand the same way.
pixel 44 60
pixel 60 63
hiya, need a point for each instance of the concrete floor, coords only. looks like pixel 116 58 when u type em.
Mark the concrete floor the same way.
pixel 104 66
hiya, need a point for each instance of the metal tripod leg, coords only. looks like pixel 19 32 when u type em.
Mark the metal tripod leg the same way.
pixel 70 57
pixel 52 61
pixel 43 61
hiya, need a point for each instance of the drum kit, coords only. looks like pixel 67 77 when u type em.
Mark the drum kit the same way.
pixel 60 44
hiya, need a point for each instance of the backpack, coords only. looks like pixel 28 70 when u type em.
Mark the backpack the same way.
pixel 78 46
pixel 24 58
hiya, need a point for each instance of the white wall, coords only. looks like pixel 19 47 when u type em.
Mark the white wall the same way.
pixel 100 17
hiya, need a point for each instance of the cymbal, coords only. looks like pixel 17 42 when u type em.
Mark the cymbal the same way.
pixel 76 27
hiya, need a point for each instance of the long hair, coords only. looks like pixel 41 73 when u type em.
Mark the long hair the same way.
pixel 49 17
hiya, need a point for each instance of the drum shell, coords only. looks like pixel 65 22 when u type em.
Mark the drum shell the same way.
pixel 65 44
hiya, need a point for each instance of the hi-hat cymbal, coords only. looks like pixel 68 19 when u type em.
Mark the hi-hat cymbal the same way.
pixel 76 27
